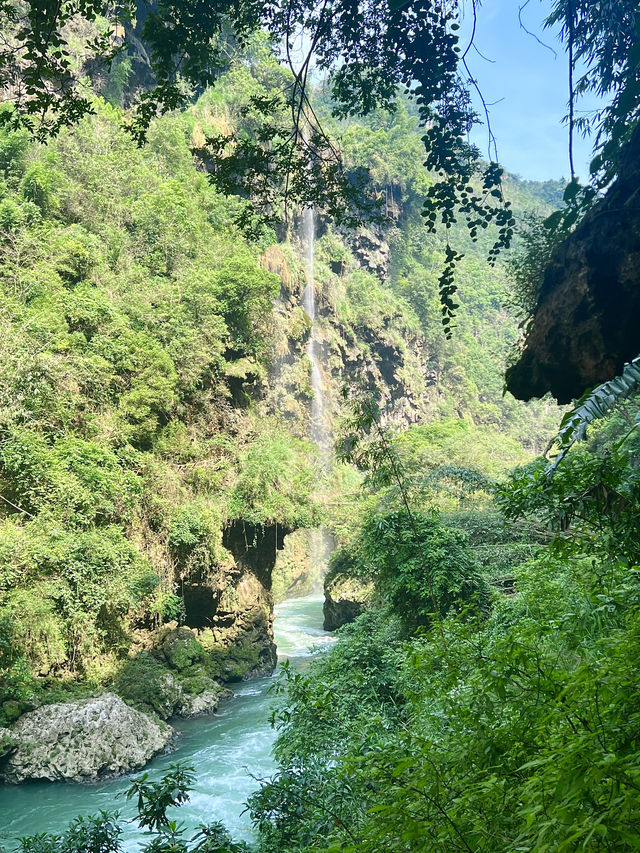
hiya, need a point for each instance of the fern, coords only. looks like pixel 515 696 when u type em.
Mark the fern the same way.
pixel 594 405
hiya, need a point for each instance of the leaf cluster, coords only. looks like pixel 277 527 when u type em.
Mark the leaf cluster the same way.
pixel 102 833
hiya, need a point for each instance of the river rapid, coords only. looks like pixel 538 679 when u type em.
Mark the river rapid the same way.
pixel 228 752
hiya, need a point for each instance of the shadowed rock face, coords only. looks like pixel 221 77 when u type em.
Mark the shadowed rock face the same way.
pixel 255 547
pixel 345 598
pixel 587 323
pixel 234 608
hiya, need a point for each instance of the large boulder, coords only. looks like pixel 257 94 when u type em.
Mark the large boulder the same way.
pixel 182 649
pixel 345 598
pixel 81 741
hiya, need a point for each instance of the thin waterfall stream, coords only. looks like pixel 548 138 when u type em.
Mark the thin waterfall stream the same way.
pixel 319 431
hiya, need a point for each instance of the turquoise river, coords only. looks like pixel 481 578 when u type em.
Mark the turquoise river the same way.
pixel 228 751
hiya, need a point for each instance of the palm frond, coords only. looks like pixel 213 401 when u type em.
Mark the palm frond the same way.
pixel 594 405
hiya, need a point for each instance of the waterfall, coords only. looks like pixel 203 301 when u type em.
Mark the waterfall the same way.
pixel 320 432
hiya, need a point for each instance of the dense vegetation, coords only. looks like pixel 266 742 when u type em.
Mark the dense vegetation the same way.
pixel 494 729
pixel 144 387
pixel 154 392
pixel 512 730
pixel 132 312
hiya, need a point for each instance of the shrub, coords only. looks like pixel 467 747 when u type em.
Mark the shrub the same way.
pixel 418 560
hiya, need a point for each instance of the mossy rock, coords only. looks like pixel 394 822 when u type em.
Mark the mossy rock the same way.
pixel 181 649
pixel 299 324
pixel 11 710
pixel 234 662
pixel 197 682
pixel 145 684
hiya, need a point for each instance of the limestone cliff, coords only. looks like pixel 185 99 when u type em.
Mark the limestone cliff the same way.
pixel 376 349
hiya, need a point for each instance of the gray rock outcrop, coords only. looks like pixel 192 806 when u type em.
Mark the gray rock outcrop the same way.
pixel 8 742
pixel 203 703
pixel 371 249
pixel 81 741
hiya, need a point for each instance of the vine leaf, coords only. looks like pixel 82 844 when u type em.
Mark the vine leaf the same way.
pixel 447 289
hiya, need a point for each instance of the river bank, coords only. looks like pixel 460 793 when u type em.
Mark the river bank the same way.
pixel 229 752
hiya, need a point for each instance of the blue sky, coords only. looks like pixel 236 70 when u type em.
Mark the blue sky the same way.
pixel 533 85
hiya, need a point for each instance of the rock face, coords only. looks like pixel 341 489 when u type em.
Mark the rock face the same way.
pixel 8 742
pixel 345 598
pixel 82 741
pixel 229 613
pixel 244 618
pixel 371 250
pixel 586 323
pixel 180 670
pixel 244 631
pixel 396 370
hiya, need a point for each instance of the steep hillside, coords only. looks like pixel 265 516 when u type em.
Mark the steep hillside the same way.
pixel 140 487
pixel 156 390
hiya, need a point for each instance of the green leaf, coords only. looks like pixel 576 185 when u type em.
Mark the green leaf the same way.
pixel 594 405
